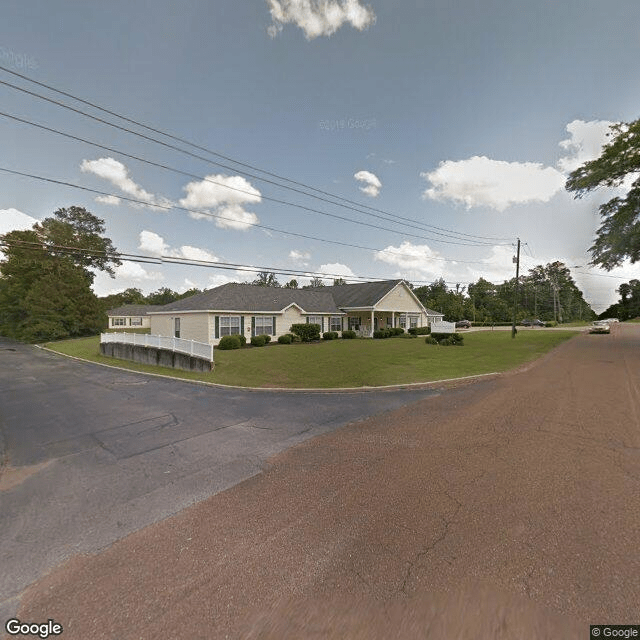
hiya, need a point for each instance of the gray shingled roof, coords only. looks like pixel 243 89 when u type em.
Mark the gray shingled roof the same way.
pixel 133 310
pixel 249 297
pixel 361 294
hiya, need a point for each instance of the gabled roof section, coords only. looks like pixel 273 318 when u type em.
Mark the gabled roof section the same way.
pixel 134 309
pixel 254 298
pixel 361 294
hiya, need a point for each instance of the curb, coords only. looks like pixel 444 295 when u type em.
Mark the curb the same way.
pixel 392 387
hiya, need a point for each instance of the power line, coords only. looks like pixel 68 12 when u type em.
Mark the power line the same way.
pixel 221 217
pixel 192 175
pixel 386 217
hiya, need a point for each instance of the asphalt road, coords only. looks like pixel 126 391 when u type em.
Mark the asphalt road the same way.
pixel 92 454
pixel 506 509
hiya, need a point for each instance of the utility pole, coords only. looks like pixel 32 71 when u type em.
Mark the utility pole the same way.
pixel 515 294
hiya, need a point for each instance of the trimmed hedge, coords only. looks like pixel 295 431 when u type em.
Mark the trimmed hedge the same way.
pixel 307 332
pixel 445 339
pixel 349 334
pixel 430 340
pixel 267 338
pixel 396 331
pixel 285 339
pixel 243 339
pixel 229 342
pixel 330 335
pixel 258 341
pixel 420 331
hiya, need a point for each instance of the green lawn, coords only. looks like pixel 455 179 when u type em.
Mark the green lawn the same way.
pixel 352 363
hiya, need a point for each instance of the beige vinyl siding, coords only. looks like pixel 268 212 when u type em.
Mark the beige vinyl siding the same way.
pixel 193 326
pixel 399 299
pixel 291 316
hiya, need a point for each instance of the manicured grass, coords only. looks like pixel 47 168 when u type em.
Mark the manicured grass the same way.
pixel 352 363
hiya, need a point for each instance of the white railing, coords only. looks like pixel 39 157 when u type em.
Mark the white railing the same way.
pixel 191 347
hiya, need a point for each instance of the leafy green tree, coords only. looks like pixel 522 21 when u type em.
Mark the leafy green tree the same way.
pixel 338 282
pixel 266 279
pixel 292 284
pixel 47 273
pixel 163 295
pixel 618 237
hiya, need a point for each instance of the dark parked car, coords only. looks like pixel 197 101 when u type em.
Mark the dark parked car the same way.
pixel 532 323
pixel 463 324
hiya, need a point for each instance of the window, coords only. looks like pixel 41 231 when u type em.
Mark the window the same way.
pixel 403 321
pixel 335 323
pixel 264 326
pixel 389 321
pixel 315 320
pixel 413 321
pixel 354 323
pixel 176 332
pixel 136 322
pixel 229 325
pixel 119 322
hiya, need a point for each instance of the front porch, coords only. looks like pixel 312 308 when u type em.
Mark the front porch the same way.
pixel 365 322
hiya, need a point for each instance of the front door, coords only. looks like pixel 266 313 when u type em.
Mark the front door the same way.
pixel 375 323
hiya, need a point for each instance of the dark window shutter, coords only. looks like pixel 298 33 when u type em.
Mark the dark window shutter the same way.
pixel 217 333
pixel 307 319
pixel 242 325
pixel 274 325
pixel 253 326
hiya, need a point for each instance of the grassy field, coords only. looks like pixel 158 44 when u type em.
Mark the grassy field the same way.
pixel 352 363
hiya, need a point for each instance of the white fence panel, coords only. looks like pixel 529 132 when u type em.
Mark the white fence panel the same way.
pixel 181 345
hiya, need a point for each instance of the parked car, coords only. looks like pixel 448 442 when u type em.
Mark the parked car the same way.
pixel 600 326
pixel 463 324
pixel 532 323
pixel 610 320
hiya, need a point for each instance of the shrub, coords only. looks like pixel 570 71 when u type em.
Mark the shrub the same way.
pixel 551 323
pixel 229 342
pixel 285 339
pixel 307 332
pixel 447 339
pixel 446 342
pixel 396 331
pixel 243 339
pixel 267 339
pixel 349 334
pixel 379 334
pixel 294 337
pixel 330 335
pixel 407 335
pixel 258 341
pixel 430 340
pixel 420 331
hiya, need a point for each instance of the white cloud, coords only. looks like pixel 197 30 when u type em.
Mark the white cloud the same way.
pixel 499 266
pixel 319 17
pixel 373 184
pixel 301 257
pixel 155 245
pixel 224 196
pixel 415 261
pixel 134 271
pixel 114 200
pixel 118 175
pixel 336 269
pixel 480 181
pixel 14 220
pixel 585 142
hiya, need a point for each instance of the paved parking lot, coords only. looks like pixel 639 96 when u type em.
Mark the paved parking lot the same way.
pixel 92 453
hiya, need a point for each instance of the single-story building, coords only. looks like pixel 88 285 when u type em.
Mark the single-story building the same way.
pixel 253 310
pixel 131 316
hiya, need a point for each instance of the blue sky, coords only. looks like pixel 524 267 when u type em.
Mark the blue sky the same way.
pixel 466 116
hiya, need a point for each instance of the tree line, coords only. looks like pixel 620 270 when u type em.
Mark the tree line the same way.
pixel 628 307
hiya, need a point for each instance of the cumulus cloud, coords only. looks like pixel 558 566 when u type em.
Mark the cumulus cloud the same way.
pixel 225 197
pixel 299 256
pixel 498 266
pixel 336 269
pixel 319 17
pixel 14 220
pixel 134 271
pixel 584 143
pixel 481 181
pixel 117 174
pixel 372 183
pixel 155 245
pixel 415 261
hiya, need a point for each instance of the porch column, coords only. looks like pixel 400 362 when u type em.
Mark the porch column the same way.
pixel 371 336
pixel 393 318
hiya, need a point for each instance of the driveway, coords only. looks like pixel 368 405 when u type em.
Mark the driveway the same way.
pixel 504 509
pixel 92 453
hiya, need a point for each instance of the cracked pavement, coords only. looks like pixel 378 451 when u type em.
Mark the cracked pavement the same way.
pixel 503 509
